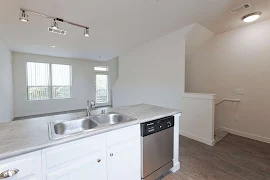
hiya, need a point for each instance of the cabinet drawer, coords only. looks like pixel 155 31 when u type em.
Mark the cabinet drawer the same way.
pixel 29 166
pixel 121 135
pixel 63 155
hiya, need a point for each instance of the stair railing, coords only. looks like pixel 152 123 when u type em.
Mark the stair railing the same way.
pixel 227 99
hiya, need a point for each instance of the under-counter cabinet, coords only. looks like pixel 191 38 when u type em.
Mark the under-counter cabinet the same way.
pixel 78 160
pixel 114 155
pixel 110 156
pixel 24 167
pixel 88 168
pixel 124 154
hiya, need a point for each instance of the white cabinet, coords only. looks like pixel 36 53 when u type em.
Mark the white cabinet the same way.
pixel 88 168
pixel 29 166
pixel 123 154
pixel 123 161
pixel 109 156
pixel 79 160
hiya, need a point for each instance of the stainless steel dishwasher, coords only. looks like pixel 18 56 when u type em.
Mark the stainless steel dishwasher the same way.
pixel 157 147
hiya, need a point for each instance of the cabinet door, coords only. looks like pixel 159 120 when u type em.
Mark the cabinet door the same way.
pixel 92 167
pixel 124 161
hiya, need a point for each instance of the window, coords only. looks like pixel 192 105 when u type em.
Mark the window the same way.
pixel 102 88
pixel 61 82
pixel 48 81
pixel 38 81
pixel 101 68
pixel 102 85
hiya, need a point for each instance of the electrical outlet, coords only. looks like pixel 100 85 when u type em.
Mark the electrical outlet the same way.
pixel 239 91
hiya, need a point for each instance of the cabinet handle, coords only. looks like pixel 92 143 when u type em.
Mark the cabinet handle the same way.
pixel 8 173
pixel 111 154
pixel 98 160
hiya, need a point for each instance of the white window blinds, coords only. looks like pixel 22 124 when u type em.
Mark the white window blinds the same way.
pixel 48 81
pixel 61 81
pixel 38 75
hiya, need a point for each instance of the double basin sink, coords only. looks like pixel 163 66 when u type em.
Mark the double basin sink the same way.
pixel 63 129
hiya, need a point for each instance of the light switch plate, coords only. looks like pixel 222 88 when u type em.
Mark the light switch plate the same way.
pixel 236 119
pixel 239 91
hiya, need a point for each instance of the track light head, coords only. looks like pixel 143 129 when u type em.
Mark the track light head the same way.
pixel 86 32
pixel 55 29
pixel 54 25
pixel 23 16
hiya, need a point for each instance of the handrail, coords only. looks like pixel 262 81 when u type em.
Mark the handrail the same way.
pixel 227 99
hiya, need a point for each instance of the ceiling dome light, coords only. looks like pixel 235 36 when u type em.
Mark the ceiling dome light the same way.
pixel 86 32
pixel 251 17
pixel 23 16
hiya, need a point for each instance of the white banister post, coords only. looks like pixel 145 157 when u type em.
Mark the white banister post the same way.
pixel 176 163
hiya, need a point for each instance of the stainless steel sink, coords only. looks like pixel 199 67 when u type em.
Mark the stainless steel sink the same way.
pixel 63 129
pixel 70 127
pixel 111 118
pixel 66 128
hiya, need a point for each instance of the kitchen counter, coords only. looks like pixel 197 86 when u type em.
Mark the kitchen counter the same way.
pixel 24 136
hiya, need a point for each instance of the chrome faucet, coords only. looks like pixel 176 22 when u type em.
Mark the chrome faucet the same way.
pixel 89 107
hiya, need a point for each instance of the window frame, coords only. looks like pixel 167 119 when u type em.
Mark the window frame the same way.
pixel 50 82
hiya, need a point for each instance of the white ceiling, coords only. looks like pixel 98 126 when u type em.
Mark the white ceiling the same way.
pixel 115 25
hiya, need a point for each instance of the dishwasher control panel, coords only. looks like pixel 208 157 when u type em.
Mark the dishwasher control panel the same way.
pixel 157 125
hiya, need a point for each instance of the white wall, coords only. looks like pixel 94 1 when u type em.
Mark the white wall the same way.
pixel 236 59
pixel 196 38
pixel 6 86
pixel 82 84
pixel 153 73
pixel 197 119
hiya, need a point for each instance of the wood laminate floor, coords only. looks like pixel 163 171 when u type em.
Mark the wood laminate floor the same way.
pixel 233 158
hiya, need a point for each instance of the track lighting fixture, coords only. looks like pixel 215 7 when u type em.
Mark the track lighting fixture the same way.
pixel 86 32
pixel 23 16
pixel 54 28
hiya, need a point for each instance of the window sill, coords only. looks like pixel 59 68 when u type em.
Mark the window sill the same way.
pixel 49 99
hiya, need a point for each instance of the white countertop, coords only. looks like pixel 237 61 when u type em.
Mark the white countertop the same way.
pixel 24 136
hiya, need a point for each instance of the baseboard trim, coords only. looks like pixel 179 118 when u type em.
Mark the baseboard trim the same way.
pixel 246 135
pixel 194 137
pixel 175 168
